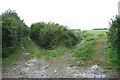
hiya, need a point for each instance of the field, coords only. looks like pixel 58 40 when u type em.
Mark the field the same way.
pixel 96 32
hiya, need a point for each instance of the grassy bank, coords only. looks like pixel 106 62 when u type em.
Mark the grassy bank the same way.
pixel 85 52
pixel 13 57
pixel 112 58
pixel 92 51
pixel 35 51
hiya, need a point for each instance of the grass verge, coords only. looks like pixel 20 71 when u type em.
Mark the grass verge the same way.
pixel 13 56
pixel 112 58
pixel 85 51
pixel 35 51
pixel 92 50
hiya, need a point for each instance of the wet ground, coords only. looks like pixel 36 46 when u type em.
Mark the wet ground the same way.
pixel 58 67
pixel 53 67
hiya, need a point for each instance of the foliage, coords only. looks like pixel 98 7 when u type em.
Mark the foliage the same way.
pixel 114 32
pixel 48 35
pixel 39 52
pixel 13 56
pixel 114 39
pixel 85 51
pixel 111 56
pixel 13 30
pixel 101 35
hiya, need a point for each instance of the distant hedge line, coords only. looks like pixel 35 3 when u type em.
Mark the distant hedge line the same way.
pixel 100 29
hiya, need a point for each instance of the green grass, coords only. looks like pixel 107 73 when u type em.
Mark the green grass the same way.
pixel 86 51
pixel 111 58
pixel 96 32
pixel 92 48
pixel 35 51
pixel 13 57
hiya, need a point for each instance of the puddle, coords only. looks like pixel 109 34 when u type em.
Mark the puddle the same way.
pixel 29 64
pixel 42 68
pixel 33 60
pixel 26 53
pixel 94 71
pixel 56 67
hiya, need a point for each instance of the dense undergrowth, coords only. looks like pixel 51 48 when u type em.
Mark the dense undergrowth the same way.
pixel 36 51
pixel 112 57
pixel 13 30
pixel 50 35
pixel 52 39
pixel 14 55
pixel 91 48
pixel 114 41
pixel 85 51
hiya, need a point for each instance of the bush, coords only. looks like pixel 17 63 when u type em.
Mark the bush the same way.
pixel 114 40
pixel 114 32
pixel 48 35
pixel 13 29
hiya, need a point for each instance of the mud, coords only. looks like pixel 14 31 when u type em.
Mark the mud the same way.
pixel 53 67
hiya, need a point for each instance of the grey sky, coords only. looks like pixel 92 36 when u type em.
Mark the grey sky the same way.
pixel 80 14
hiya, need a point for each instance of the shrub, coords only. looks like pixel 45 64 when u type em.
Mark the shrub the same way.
pixel 114 32
pixel 114 40
pixel 13 29
pixel 48 35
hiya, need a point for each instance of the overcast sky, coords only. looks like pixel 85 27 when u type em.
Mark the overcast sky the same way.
pixel 80 14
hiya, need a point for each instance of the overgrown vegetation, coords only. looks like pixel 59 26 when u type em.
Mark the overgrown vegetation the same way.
pixel 92 50
pixel 35 51
pixel 85 51
pixel 13 30
pixel 49 35
pixel 114 41
pixel 51 39
pixel 16 53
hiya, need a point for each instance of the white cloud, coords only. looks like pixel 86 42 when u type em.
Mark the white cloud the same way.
pixel 83 14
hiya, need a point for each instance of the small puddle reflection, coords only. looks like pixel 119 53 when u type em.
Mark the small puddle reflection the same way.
pixel 29 64
pixel 94 71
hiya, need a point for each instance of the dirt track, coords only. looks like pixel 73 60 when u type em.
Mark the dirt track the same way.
pixel 53 67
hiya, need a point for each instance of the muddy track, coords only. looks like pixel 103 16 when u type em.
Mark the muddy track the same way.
pixel 53 67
